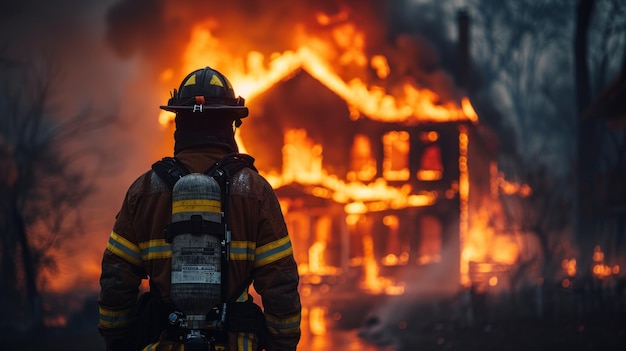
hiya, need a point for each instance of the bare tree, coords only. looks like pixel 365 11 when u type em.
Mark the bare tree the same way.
pixel 587 142
pixel 600 54
pixel 41 187
pixel 521 51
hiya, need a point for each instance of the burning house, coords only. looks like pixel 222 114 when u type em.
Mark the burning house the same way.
pixel 368 201
pixel 378 177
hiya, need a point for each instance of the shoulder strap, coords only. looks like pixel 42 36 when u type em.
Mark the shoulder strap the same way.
pixel 170 170
pixel 231 164
pixel 221 171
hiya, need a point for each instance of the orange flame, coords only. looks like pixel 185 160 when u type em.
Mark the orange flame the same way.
pixel 302 163
pixel 255 73
pixel 569 265
pixel 317 320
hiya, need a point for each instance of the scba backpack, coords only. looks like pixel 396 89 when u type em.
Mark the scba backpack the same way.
pixel 202 312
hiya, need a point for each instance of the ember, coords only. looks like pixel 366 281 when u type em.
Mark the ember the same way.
pixel 600 269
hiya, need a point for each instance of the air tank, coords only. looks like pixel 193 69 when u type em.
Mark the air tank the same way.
pixel 196 258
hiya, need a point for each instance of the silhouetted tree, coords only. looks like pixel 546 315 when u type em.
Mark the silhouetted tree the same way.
pixel 42 184
pixel 600 56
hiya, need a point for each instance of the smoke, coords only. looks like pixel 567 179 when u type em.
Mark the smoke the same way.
pixel 431 293
pixel 109 55
pixel 159 31
pixel 149 27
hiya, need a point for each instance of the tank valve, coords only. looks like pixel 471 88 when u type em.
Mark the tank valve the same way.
pixel 176 318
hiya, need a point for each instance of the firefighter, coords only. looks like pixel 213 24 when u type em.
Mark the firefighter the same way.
pixel 207 115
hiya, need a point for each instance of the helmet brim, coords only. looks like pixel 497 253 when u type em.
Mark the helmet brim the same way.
pixel 238 111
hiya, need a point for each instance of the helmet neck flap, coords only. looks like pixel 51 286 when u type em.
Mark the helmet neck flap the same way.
pixel 194 130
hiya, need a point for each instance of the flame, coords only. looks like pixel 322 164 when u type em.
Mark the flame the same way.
pixel 480 242
pixel 254 74
pixel 372 281
pixel 396 147
pixel 302 163
pixel 317 320
pixel 326 59
pixel 397 255
pixel 466 250
pixel 363 163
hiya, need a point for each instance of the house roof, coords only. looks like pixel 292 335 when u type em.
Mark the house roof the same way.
pixel 421 105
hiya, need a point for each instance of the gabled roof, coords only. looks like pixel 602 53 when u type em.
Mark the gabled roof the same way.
pixel 421 105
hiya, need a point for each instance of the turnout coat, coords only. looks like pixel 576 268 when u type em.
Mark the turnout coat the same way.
pixel 260 249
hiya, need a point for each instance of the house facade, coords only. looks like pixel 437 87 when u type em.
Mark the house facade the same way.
pixel 371 205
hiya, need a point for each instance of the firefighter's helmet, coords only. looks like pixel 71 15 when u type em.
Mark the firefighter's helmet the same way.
pixel 205 91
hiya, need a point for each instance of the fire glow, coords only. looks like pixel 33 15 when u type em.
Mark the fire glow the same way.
pixel 360 193
pixel 254 74
pixel 600 269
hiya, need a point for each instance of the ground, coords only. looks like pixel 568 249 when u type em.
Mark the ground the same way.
pixel 476 323
pixel 590 333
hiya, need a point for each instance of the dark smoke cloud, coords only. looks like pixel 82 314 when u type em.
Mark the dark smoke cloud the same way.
pixel 156 28
pixel 136 26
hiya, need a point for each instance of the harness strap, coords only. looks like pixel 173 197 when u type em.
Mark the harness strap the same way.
pixel 170 170
pixel 195 226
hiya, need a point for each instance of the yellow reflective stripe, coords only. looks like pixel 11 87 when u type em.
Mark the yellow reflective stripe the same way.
pixel 215 80
pixel 125 249
pixel 244 296
pixel 167 346
pixel 244 341
pixel 196 205
pixel 155 249
pixel 273 251
pixel 151 347
pixel 114 319
pixel 190 81
pixel 283 325
pixel 242 250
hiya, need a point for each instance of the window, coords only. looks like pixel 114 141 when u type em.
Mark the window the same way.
pixel 430 164
pixel 362 163
pixel 430 229
pixel 396 155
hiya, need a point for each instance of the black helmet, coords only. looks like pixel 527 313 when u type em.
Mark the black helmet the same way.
pixel 206 90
